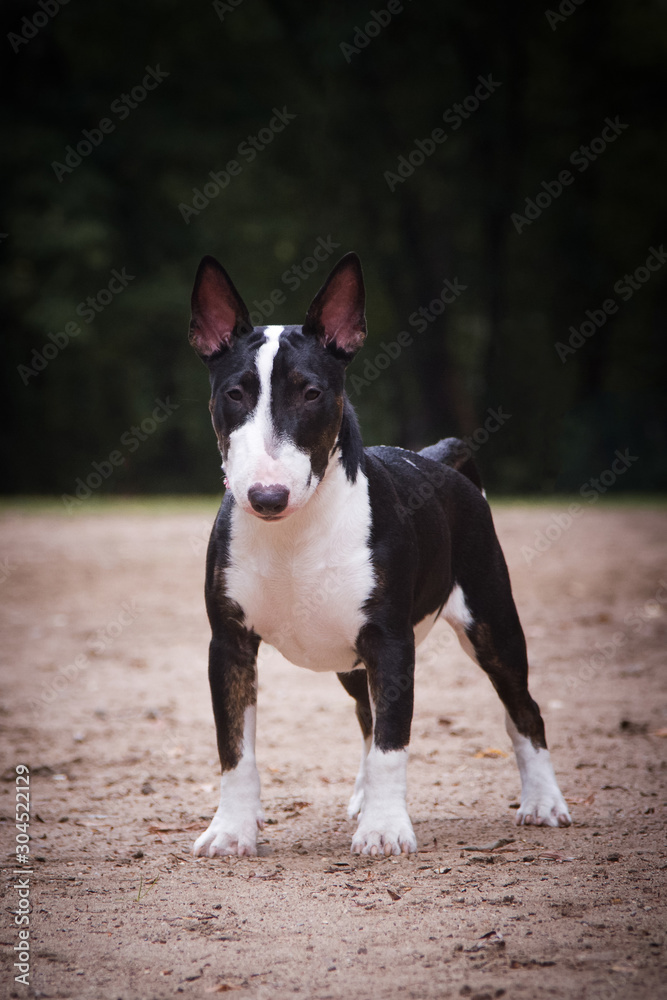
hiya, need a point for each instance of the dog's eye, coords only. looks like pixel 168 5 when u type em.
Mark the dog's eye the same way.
pixel 311 393
pixel 236 394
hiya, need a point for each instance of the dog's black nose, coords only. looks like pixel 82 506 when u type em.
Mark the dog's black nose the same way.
pixel 268 499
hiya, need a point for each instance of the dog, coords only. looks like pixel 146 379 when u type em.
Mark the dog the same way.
pixel 342 558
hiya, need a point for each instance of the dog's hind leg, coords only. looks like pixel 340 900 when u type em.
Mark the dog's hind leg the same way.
pixel 489 630
pixel 356 685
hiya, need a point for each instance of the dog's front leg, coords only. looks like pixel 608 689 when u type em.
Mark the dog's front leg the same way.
pixel 233 680
pixel 384 824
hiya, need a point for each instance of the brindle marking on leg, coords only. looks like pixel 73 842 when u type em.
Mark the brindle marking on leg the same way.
pixel 356 685
pixel 234 688
pixel 232 671
pixel 509 676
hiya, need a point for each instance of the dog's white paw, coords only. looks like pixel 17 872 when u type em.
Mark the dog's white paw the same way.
pixel 542 803
pixel 383 836
pixel 230 835
pixel 379 794
pixel 543 807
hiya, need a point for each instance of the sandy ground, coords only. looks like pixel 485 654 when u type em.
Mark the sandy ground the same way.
pixel 106 701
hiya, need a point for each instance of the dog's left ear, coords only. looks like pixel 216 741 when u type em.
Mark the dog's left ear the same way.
pixel 218 311
pixel 336 315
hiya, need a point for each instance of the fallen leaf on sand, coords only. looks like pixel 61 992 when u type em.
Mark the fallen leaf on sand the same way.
pixel 493 935
pixel 518 964
pixel 497 845
pixel 491 752
pixel 553 856
pixel 173 829
pixel 587 801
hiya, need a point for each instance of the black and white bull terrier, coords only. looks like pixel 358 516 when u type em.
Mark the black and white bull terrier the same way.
pixel 320 550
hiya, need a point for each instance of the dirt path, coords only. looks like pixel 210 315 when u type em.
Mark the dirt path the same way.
pixel 106 701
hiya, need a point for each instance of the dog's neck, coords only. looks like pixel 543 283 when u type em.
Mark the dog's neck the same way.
pixel 349 445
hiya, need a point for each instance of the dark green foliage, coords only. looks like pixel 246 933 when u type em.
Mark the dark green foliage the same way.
pixel 322 176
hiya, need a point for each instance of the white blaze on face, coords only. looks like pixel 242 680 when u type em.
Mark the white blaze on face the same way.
pixel 256 454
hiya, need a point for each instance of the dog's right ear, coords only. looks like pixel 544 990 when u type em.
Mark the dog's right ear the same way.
pixel 336 314
pixel 218 311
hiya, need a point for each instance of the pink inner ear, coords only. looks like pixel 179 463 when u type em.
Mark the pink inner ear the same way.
pixel 216 310
pixel 212 325
pixel 340 316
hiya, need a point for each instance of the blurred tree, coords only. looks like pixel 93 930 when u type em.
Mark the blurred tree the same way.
pixel 368 92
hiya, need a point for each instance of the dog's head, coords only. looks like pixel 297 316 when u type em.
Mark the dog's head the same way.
pixel 277 392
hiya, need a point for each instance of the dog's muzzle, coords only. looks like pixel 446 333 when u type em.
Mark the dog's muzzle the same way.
pixel 268 501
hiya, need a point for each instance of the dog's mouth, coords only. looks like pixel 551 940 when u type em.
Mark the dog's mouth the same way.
pixel 269 517
pixel 266 515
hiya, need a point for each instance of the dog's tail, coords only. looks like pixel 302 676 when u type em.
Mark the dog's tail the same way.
pixel 456 454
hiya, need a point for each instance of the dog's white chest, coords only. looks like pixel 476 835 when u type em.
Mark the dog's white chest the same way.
pixel 302 583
